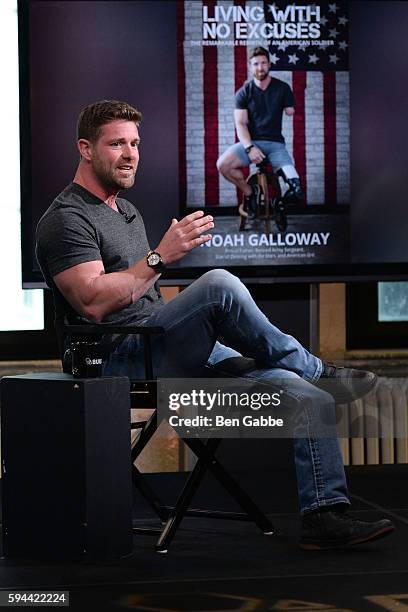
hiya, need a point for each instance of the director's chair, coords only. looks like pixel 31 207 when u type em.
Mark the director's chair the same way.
pixel 83 359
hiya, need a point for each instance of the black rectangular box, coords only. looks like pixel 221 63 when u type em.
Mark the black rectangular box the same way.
pixel 66 466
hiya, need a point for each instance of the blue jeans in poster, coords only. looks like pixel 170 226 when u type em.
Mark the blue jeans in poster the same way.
pixel 219 305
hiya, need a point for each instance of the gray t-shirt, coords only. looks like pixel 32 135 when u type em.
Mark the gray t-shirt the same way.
pixel 79 227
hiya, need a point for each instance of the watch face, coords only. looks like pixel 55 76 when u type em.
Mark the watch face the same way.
pixel 153 259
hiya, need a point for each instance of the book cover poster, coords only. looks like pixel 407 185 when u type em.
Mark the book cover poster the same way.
pixel 308 50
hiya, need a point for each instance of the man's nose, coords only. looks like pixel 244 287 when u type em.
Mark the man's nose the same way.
pixel 129 152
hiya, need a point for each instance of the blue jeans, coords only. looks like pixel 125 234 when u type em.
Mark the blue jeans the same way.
pixel 219 305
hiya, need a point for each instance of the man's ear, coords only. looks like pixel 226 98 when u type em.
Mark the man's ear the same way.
pixel 85 149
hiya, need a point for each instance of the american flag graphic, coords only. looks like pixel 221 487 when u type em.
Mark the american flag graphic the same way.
pixel 333 20
pixel 317 136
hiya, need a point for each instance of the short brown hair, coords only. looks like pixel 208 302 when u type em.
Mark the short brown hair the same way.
pixel 258 51
pixel 94 116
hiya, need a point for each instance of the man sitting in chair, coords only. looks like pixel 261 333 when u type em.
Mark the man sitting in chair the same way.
pixel 94 254
pixel 259 105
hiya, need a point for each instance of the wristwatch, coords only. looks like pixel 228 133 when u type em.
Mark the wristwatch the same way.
pixel 154 260
pixel 248 148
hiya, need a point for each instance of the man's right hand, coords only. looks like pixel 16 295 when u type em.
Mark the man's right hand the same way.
pixel 183 236
pixel 256 155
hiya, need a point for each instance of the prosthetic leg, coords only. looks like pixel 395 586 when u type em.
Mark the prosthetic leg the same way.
pixel 291 193
pixel 290 185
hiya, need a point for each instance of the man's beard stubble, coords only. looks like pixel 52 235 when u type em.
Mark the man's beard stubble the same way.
pixel 263 76
pixel 108 181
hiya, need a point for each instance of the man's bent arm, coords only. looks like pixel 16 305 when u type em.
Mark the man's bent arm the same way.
pixel 94 294
pixel 241 125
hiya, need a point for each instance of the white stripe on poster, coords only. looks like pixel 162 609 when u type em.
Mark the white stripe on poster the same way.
pixel 343 136
pixel 314 119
